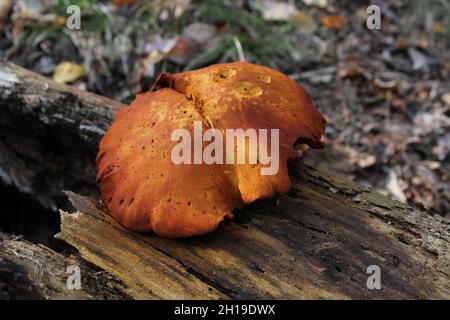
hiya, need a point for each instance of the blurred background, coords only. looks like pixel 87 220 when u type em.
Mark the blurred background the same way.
pixel 385 93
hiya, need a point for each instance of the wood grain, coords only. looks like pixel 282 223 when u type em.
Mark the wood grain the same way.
pixel 314 243
pixel 30 271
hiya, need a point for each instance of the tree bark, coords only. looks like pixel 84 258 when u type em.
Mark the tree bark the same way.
pixel 49 134
pixel 317 241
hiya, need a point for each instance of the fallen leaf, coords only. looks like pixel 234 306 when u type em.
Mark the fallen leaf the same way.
pixel 381 86
pixel 426 123
pixel 28 9
pixel 420 61
pixel 422 92
pixel 60 21
pixel 428 177
pixel 156 50
pixel 438 27
pixel 443 147
pixel 305 22
pixel 180 47
pixel 5 8
pixel 323 75
pixel 399 104
pixel 66 72
pixel 366 160
pixel 276 11
pixel 180 7
pixel 350 71
pixel 432 165
pixel 393 186
pixel 334 21
pixel 160 45
pixel 163 8
pixel 362 14
pixel 446 98
pixel 317 3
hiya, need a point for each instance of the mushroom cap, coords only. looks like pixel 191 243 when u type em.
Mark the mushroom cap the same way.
pixel 145 190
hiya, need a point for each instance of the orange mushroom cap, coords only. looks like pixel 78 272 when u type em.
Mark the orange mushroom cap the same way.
pixel 145 190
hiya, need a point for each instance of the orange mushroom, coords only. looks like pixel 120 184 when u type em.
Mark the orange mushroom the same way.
pixel 146 191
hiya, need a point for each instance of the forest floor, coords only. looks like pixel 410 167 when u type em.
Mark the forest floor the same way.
pixel 385 93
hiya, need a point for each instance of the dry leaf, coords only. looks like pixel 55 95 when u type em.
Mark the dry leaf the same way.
pixel 426 123
pixel 350 71
pixel 362 14
pixel 438 27
pixel 443 147
pixel 446 98
pixel 381 86
pixel 306 22
pixel 5 8
pixel 156 50
pixel 366 160
pixel 317 3
pixel 398 104
pixel 334 21
pixel 60 21
pixel 393 186
pixel 419 60
pixel 66 72
pixel 276 11
pixel 176 7
pixel 180 7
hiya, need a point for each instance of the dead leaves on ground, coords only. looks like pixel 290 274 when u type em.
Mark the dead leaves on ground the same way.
pixel 334 21
pixel 67 72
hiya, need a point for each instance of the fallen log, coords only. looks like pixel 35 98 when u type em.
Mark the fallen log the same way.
pixel 30 271
pixel 49 134
pixel 318 241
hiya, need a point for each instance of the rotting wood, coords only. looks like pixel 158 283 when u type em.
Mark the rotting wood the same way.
pixel 30 271
pixel 49 134
pixel 315 242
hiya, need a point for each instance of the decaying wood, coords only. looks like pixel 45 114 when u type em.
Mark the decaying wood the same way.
pixel 315 242
pixel 30 271
pixel 49 134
